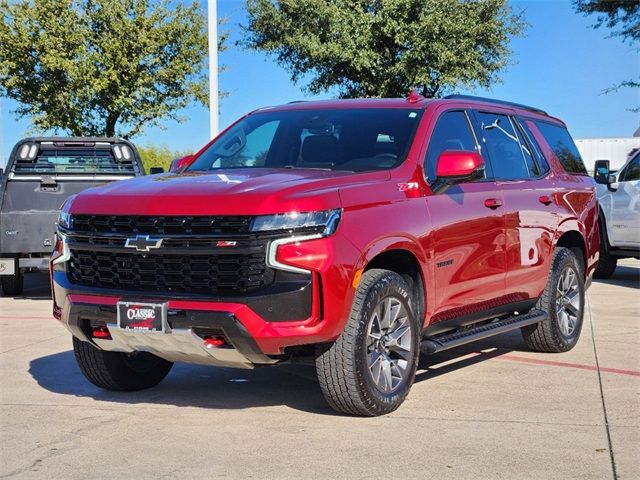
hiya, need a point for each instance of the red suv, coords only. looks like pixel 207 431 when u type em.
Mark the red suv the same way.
pixel 358 231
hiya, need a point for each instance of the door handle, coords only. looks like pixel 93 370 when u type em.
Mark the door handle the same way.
pixel 492 203
pixel 545 199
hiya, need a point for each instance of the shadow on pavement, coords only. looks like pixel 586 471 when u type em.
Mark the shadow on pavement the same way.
pixel 292 385
pixel 624 276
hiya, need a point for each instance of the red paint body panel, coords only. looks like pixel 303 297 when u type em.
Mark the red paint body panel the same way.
pixel 477 244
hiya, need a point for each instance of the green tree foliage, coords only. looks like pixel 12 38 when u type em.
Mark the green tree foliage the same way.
pixel 623 17
pixel 102 67
pixel 384 48
pixel 159 156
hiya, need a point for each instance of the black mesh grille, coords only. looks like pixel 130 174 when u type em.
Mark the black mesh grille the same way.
pixel 204 274
pixel 183 225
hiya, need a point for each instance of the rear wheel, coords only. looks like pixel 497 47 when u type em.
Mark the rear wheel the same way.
pixel 12 285
pixel 563 300
pixel 369 370
pixel 119 371
pixel 607 263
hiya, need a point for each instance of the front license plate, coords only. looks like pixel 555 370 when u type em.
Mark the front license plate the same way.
pixel 7 266
pixel 142 317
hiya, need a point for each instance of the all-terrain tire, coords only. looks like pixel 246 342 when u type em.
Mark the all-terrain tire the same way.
pixel 12 285
pixel 343 366
pixel 548 335
pixel 119 371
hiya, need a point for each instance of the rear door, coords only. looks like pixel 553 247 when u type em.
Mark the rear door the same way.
pixel 468 235
pixel 530 206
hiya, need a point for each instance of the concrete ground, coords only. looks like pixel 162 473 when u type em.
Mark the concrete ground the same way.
pixel 490 410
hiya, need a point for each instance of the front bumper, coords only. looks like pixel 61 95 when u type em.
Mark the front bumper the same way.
pixel 258 328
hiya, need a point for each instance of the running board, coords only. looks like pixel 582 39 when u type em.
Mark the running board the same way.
pixel 444 342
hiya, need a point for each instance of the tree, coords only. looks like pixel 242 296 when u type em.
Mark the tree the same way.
pixel 101 67
pixel 159 156
pixel 613 14
pixel 384 48
pixel 622 15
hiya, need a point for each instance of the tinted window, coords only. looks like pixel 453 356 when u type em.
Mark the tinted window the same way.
pixel 501 142
pixel 452 132
pixel 537 152
pixel 75 161
pixel 334 139
pixel 632 172
pixel 562 145
pixel 527 153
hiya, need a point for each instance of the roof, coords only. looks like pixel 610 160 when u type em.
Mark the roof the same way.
pixel 351 103
pixel 414 101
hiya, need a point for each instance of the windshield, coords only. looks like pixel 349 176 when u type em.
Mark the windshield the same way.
pixel 72 161
pixel 341 139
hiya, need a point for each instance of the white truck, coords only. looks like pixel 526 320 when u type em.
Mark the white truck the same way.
pixel 619 199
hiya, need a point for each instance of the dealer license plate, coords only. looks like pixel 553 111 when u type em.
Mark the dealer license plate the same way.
pixel 142 317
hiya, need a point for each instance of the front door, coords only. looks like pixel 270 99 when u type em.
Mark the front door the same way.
pixel 624 225
pixel 468 235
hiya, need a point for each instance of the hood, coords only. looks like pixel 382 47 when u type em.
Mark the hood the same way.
pixel 225 192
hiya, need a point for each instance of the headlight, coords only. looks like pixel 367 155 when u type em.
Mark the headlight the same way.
pixel 324 222
pixel 65 220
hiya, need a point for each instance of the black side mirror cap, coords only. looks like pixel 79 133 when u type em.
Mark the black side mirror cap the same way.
pixel 602 172
pixel 154 170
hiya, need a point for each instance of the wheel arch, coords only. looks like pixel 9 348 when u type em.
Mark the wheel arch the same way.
pixel 574 241
pixel 403 260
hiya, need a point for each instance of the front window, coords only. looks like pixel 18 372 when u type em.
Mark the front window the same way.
pixel 354 140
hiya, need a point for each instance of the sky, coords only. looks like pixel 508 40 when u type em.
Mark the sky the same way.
pixel 561 65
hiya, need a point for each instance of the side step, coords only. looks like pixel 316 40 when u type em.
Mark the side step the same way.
pixel 444 342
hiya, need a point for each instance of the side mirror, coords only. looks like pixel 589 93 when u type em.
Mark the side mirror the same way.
pixel 179 163
pixel 602 172
pixel 456 166
pixel 154 170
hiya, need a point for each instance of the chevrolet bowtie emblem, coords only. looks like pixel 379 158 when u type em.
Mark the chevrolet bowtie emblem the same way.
pixel 143 243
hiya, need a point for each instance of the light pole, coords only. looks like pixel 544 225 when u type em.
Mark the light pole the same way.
pixel 212 18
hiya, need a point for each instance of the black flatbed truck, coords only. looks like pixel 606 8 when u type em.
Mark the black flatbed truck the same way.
pixel 41 173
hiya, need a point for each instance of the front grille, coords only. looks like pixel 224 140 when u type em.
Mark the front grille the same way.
pixel 161 225
pixel 160 272
pixel 193 258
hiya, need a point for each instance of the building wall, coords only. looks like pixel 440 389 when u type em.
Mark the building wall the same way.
pixel 616 150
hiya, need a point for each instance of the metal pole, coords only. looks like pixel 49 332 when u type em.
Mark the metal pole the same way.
pixel 213 67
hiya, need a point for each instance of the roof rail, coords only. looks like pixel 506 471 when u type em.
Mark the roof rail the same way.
pixel 296 101
pixel 493 100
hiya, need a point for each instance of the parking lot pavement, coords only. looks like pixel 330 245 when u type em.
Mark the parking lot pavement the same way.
pixel 489 410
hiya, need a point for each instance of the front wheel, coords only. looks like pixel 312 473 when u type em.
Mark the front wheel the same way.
pixel 369 370
pixel 563 300
pixel 119 371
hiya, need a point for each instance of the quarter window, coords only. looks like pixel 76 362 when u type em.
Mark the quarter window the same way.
pixel 503 146
pixel 562 145
pixel 452 132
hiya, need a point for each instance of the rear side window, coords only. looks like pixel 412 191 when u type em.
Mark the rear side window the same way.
pixel 562 145
pixel 452 132
pixel 543 166
pixel 504 148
